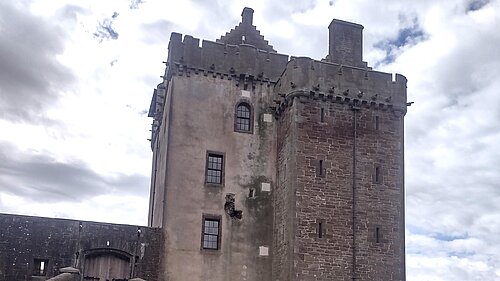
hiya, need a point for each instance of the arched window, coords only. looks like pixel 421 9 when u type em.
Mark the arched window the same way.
pixel 243 121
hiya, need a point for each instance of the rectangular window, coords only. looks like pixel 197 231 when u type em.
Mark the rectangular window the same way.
pixel 322 116
pixel 320 229
pixel 251 193
pixel 40 267
pixel 211 233
pixel 377 177
pixel 377 235
pixel 320 168
pixel 215 168
pixel 376 125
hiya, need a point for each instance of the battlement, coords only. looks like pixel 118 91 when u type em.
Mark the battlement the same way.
pixel 339 83
pixel 216 57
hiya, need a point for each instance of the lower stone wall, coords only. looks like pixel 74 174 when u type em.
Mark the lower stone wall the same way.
pixel 26 241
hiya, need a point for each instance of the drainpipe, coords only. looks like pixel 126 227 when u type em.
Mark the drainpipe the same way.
pixel 136 252
pixel 153 182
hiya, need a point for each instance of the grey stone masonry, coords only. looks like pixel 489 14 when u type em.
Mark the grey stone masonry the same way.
pixel 345 43
pixel 65 243
pixel 313 192
pixel 246 33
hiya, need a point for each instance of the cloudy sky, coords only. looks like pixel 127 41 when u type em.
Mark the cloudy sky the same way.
pixel 76 77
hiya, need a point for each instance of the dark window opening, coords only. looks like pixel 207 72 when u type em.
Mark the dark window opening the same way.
pixel 251 193
pixel 40 268
pixel 320 229
pixel 211 230
pixel 377 178
pixel 243 118
pixel 322 116
pixel 376 123
pixel 377 235
pixel 320 168
pixel 215 168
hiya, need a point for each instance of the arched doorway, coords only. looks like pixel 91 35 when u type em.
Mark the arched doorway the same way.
pixel 106 265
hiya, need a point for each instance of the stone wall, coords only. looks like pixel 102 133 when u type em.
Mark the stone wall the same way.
pixel 324 191
pixel 201 118
pixel 333 203
pixel 284 197
pixel 57 241
pixel 379 203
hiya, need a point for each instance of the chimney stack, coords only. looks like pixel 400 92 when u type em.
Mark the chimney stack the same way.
pixel 345 43
pixel 247 16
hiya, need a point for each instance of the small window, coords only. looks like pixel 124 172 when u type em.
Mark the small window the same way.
pixel 377 234
pixel 320 168
pixel 215 168
pixel 320 229
pixel 40 268
pixel 251 193
pixel 322 115
pixel 377 177
pixel 243 118
pixel 211 233
pixel 376 122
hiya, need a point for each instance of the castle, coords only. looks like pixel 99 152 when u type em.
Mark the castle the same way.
pixel 265 168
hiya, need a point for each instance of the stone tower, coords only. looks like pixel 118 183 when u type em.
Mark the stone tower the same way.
pixel 267 167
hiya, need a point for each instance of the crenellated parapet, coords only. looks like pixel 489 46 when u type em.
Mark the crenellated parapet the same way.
pixel 226 60
pixel 360 87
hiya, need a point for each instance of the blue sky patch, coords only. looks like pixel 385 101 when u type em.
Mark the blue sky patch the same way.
pixel 407 36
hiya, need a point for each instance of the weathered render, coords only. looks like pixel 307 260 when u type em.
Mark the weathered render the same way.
pixel 26 242
pixel 313 189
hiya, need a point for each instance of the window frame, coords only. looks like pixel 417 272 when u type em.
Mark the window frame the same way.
pixel 250 118
pixel 215 154
pixel 211 217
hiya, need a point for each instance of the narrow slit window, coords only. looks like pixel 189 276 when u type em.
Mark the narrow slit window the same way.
pixel 215 168
pixel 321 169
pixel 320 229
pixel 40 267
pixel 376 123
pixel 376 175
pixel 322 115
pixel 283 230
pixel 377 234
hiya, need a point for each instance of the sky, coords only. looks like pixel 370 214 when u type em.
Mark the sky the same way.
pixel 77 76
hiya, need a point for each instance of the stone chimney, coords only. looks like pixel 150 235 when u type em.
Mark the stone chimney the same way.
pixel 247 16
pixel 345 43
